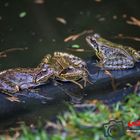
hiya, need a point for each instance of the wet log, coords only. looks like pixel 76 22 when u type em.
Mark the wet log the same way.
pixel 109 86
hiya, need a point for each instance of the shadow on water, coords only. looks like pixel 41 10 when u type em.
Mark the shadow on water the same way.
pixel 40 104
pixel 28 24
pixel 41 114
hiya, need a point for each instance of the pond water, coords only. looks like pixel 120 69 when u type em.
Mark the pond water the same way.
pixel 34 25
pixel 39 30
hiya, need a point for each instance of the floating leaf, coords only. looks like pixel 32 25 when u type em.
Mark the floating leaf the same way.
pixel 61 20
pixel 75 46
pixel 22 14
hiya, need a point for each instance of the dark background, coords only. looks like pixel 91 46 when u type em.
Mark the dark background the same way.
pixel 42 33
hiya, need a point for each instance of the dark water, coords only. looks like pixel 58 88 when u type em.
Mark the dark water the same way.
pixel 42 33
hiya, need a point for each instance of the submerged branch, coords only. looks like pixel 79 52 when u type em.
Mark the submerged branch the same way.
pixel 76 36
pixel 4 53
pixel 134 21
pixel 121 36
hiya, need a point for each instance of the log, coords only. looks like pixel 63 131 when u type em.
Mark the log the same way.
pixel 109 88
